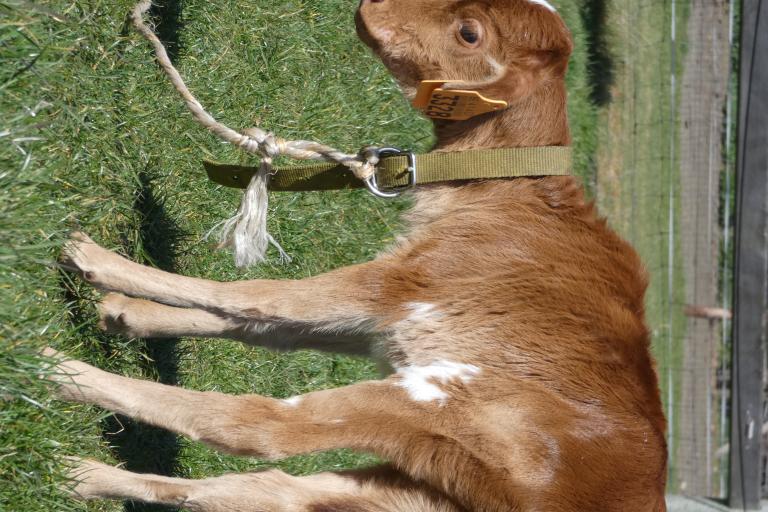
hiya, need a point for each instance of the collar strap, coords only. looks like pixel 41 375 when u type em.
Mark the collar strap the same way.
pixel 398 171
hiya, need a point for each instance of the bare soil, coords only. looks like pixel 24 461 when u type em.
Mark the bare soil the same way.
pixel 702 122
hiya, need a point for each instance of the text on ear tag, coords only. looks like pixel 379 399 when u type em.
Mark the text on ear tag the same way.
pixel 453 104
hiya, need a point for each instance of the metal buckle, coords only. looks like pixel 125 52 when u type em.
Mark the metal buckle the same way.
pixel 373 187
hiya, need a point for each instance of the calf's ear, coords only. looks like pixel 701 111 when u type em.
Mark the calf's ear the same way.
pixel 525 74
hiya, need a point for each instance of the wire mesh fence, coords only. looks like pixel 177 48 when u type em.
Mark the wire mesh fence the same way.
pixel 665 178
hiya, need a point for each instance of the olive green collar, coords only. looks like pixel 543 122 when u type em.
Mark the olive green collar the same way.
pixel 398 170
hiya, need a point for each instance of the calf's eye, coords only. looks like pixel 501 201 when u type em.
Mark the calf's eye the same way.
pixel 470 33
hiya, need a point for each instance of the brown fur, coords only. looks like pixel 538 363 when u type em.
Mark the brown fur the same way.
pixel 519 278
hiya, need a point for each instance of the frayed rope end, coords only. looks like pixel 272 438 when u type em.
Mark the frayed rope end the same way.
pixel 246 232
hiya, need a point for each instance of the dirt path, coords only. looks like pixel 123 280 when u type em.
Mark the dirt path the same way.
pixel 638 173
pixel 702 118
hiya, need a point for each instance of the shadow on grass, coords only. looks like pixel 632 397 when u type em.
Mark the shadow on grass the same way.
pixel 143 448
pixel 168 25
pixel 600 66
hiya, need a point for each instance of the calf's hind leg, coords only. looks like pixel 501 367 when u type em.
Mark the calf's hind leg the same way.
pixel 268 491
pixel 374 416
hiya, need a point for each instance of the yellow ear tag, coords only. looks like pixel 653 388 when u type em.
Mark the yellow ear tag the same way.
pixel 453 104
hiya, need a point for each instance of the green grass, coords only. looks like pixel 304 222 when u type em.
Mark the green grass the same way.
pixel 638 167
pixel 112 151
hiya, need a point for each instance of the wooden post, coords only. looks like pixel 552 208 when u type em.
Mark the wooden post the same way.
pixel 751 282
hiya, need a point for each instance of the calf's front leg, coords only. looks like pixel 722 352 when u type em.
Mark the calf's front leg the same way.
pixel 343 299
pixel 140 318
pixel 340 311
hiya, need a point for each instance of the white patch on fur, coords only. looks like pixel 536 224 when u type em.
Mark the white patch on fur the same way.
pixel 498 68
pixel 294 401
pixel 497 73
pixel 421 382
pixel 383 34
pixel 423 311
pixel 549 471
pixel 545 4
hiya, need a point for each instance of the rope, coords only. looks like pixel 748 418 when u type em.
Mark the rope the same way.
pixel 253 140
pixel 246 232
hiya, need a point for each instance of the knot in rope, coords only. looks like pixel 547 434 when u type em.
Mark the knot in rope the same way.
pixel 366 170
pixel 370 158
pixel 247 231
pixel 266 144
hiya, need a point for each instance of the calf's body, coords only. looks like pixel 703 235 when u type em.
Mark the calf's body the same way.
pixel 511 315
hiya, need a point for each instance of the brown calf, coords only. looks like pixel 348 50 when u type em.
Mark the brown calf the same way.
pixel 511 315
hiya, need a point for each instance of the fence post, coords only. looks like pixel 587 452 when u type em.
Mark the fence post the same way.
pixel 751 255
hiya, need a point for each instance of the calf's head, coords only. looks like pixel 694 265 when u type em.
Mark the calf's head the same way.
pixel 504 49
